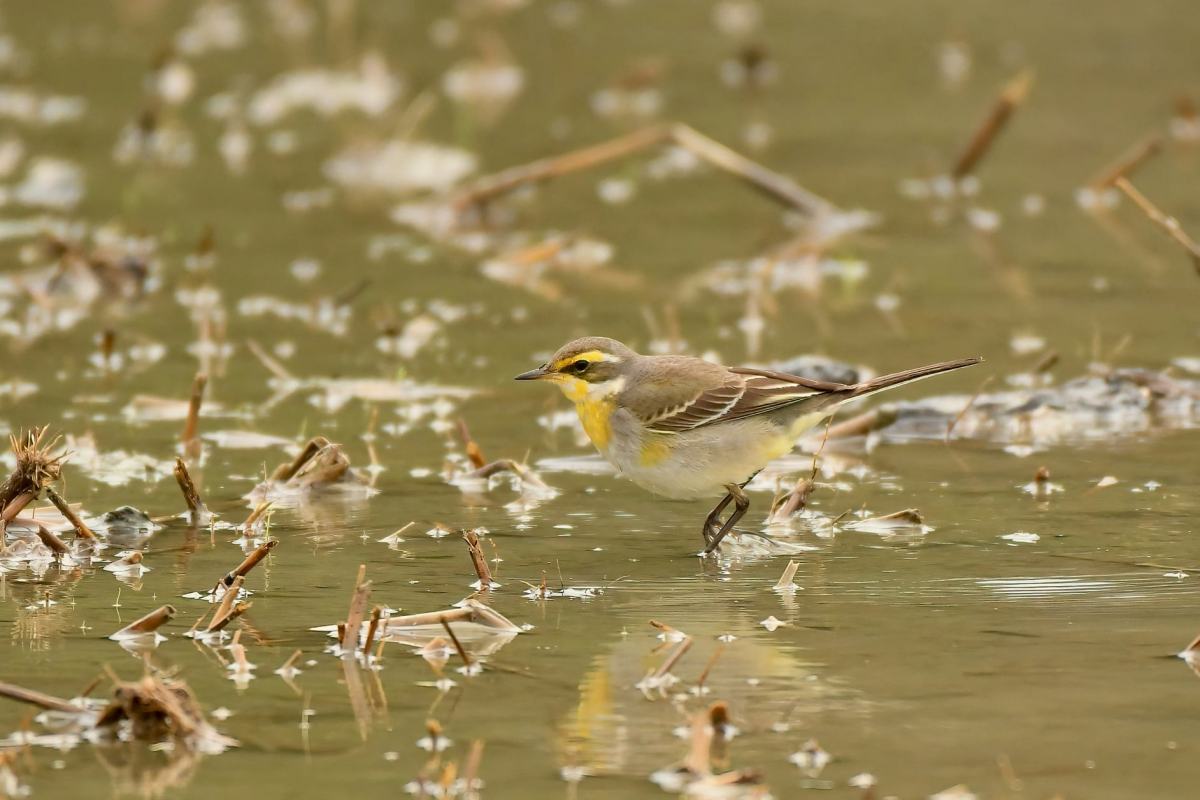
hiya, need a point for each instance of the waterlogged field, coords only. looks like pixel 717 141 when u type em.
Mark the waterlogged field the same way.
pixel 973 587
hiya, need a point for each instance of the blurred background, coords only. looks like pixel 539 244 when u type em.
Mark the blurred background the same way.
pixel 186 183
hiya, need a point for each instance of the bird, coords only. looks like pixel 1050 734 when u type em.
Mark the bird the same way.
pixel 686 428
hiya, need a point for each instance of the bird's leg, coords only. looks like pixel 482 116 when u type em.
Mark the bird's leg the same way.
pixel 712 523
pixel 740 504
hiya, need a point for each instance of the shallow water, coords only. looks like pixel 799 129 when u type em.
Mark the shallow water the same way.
pixel 1019 668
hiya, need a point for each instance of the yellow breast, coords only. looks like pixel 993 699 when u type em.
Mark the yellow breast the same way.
pixel 596 416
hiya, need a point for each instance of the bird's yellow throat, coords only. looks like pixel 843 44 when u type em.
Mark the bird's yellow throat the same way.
pixel 594 403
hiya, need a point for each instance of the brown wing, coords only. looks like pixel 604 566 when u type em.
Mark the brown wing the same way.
pixel 744 393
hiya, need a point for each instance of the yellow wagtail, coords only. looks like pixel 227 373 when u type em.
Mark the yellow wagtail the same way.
pixel 686 428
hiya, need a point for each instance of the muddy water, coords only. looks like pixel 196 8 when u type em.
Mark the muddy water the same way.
pixel 1020 668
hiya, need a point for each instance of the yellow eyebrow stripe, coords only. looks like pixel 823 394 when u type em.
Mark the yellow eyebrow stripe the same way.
pixel 590 355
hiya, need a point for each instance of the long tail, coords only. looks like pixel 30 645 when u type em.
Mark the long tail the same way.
pixel 897 378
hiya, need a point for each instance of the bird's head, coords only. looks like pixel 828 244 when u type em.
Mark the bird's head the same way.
pixel 584 366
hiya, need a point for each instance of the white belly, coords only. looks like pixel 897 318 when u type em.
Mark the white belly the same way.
pixel 702 462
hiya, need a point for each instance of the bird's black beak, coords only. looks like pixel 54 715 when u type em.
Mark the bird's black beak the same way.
pixel 534 374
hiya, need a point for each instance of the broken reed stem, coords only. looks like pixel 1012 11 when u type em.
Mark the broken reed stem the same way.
pixel 471 770
pixel 256 515
pixel 64 508
pixel 225 607
pixel 970 404
pixel 48 537
pixel 1168 224
pixel 1128 161
pixel 712 661
pixel 773 184
pixel 431 618
pixel 1011 97
pixel 149 623
pixel 16 506
pixel 473 452
pixel 192 424
pixel 789 573
pixel 39 699
pixel 482 571
pixel 863 424
pixel 285 472
pixel 462 652
pixel 290 664
pixel 249 562
pixel 358 610
pixel 190 496
pixel 673 657
pixel 273 366
pixel 372 628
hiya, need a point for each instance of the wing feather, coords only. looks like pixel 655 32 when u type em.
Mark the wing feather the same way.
pixel 744 393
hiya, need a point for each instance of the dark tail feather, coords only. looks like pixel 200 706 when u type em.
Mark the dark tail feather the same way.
pixel 898 378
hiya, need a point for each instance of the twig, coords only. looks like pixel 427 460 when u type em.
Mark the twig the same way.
pixel 192 424
pixel 673 657
pixel 358 609
pixel 482 571
pixel 472 448
pixel 1169 224
pixel 1011 97
pixel 285 472
pixel 712 661
pixel 190 496
pixel 863 424
pixel 1129 161
pixel 255 515
pixel 778 187
pixel 48 537
pixel 147 624
pixel 970 403
pixel 376 615
pixel 64 508
pixel 36 698
pixel 221 617
pixel 462 652
pixel 249 562
pixel 786 579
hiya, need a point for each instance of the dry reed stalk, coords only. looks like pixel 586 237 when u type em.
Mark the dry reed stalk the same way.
pixel 358 610
pixel 477 559
pixel 64 508
pixel 789 573
pixel 431 618
pixel 712 662
pixel 673 657
pixel 776 186
pixel 249 562
pixel 372 628
pixel 16 506
pixel 1127 163
pixel 108 342
pixel 1168 224
pixel 256 515
pixel 36 468
pixel 473 452
pixel 36 698
pixel 285 472
pixel 471 770
pixel 192 424
pixel 863 424
pixel 462 652
pixel 970 404
pixel 47 536
pixel 697 761
pixel 195 505
pixel 273 366
pixel 1011 97
pixel 225 606
pixel 147 624
pixel 486 615
pixel 220 622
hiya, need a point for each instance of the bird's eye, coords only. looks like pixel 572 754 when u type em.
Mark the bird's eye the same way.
pixel 580 365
